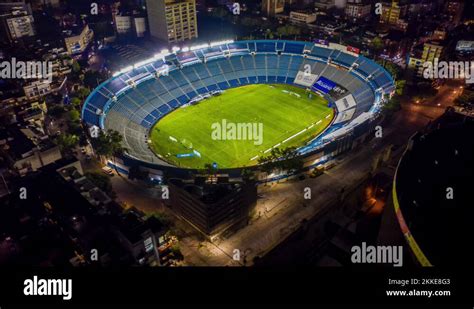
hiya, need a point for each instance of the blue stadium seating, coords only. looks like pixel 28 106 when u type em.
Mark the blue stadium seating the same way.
pixel 152 99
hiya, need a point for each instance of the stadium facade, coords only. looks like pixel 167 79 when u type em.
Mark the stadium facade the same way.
pixel 137 97
pixel 431 193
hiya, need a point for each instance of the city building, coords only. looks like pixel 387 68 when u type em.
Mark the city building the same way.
pixel 26 149
pixel 454 10
pixel 302 17
pixel 16 20
pixel 31 112
pixel 37 89
pixel 430 51
pixel 141 238
pixel 465 46
pixel 9 5
pixel 324 5
pixel 439 35
pixel 358 8
pixel 340 4
pixel 52 3
pixel 273 7
pixel 172 20
pixel 213 205
pixel 140 26
pixel 393 11
pixel 123 24
pixel 20 26
pixel 64 209
pixel 78 38
pixel 329 27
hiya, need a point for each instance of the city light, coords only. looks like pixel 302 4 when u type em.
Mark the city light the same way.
pixel 165 52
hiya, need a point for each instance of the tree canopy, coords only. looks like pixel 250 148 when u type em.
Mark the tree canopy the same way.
pixel 377 44
pixel 281 159
pixel 288 30
pixel 108 143
pixel 67 142
pixel 467 97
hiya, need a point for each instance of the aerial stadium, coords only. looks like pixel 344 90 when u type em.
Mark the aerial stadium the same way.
pixel 301 94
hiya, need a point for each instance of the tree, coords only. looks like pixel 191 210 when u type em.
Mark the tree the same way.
pixel 74 122
pixel 67 59
pixel 67 142
pixel 249 37
pixel 76 102
pixel 74 115
pixel 287 31
pixel 56 111
pixel 400 86
pixel 108 144
pixel 75 128
pixel 210 169
pixel 290 160
pixel 466 98
pixel 269 34
pixel 92 79
pixel 392 68
pixel 284 160
pixel 392 105
pixel 102 181
pixel 162 217
pixel 249 22
pixel 83 92
pixel 76 67
pixel 377 44
pixel 247 174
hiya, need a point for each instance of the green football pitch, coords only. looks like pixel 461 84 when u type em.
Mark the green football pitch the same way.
pixel 279 116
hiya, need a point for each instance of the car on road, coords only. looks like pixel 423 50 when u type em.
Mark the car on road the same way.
pixel 108 170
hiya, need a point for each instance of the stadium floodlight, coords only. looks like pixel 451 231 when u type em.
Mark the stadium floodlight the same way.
pixel 116 74
pixel 175 49
pixel 196 47
pixel 165 51
pixel 221 43
pixel 159 56
pixel 144 62
pixel 127 69
pixel 185 49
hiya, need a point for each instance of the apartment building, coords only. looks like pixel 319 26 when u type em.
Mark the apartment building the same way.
pixel 78 38
pixel 172 20
pixel 273 7
pixel 358 8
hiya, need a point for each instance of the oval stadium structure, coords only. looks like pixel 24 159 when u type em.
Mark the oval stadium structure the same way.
pixel 135 99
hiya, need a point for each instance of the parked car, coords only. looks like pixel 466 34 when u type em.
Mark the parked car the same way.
pixel 108 170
